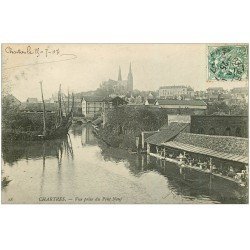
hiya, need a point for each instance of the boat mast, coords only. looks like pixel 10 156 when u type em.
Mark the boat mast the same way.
pixel 60 105
pixel 44 122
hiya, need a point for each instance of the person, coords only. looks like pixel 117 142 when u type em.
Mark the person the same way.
pixel 231 172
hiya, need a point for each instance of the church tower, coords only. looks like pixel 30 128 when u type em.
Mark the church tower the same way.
pixel 120 74
pixel 130 79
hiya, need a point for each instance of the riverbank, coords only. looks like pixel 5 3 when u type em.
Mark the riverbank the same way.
pixel 84 166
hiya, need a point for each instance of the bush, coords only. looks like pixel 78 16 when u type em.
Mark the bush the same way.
pixel 125 123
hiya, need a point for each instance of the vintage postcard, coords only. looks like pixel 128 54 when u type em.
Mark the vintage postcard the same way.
pixel 124 123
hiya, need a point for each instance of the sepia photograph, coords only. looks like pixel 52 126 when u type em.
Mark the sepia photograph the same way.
pixel 125 123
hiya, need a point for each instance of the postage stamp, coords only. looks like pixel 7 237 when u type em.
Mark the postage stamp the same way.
pixel 228 63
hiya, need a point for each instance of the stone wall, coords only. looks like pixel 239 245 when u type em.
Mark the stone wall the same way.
pixel 220 125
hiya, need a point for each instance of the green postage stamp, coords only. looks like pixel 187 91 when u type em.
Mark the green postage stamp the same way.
pixel 228 63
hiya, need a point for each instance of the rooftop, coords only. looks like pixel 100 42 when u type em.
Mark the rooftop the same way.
pixel 181 102
pixel 239 90
pixel 215 88
pixel 173 87
pixel 151 101
pixel 166 133
pixel 226 144
pixel 93 98
pixel 32 100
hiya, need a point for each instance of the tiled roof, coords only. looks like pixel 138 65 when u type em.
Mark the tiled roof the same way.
pixel 173 87
pixel 181 102
pixel 98 121
pixel 239 90
pixel 226 144
pixel 166 133
pixel 206 151
pixel 151 101
pixel 215 88
pixel 32 100
pixel 93 98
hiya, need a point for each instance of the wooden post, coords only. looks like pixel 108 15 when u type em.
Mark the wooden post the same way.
pixel 44 121
pixel 72 107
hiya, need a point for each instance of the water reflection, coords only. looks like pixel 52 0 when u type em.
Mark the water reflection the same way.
pixel 81 165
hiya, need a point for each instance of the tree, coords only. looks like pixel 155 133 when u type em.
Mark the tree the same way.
pixel 218 107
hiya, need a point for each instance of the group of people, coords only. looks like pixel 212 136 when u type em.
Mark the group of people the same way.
pixel 206 165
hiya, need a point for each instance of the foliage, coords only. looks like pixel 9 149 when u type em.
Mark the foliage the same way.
pixel 221 108
pixel 218 107
pixel 125 123
pixel 17 125
pixel 239 109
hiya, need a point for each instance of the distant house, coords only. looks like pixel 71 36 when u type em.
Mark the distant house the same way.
pixel 240 94
pixel 176 91
pixel 117 101
pixel 150 102
pixel 226 98
pixel 213 93
pixel 215 90
pixel 198 106
pixel 92 105
pixel 32 100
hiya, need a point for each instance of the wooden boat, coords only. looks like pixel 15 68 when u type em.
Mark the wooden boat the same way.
pixel 5 182
pixel 63 122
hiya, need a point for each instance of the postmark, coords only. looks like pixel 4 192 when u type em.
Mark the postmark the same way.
pixel 228 63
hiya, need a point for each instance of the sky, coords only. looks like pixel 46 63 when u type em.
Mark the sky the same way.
pixel 82 67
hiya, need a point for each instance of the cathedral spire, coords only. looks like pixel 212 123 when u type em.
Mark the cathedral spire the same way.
pixel 130 70
pixel 120 74
pixel 130 78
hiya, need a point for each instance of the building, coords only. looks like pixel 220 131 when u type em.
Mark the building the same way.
pixel 222 152
pixel 225 125
pixel 77 103
pixel 240 94
pixel 179 118
pixel 150 102
pixel 214 93
pixel 92 105
pixel 120 86
pixel 176 92
pixel 220 155
pixel 215 90
pixel 32 100
pixel 116 101
pixel 183 106
pixel 165 133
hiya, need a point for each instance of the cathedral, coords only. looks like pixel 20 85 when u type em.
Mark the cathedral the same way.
pixel 120 86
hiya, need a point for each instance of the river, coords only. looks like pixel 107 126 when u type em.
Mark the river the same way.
pixel 83 169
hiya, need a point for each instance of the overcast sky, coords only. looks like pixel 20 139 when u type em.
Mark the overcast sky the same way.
pixel 82 67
